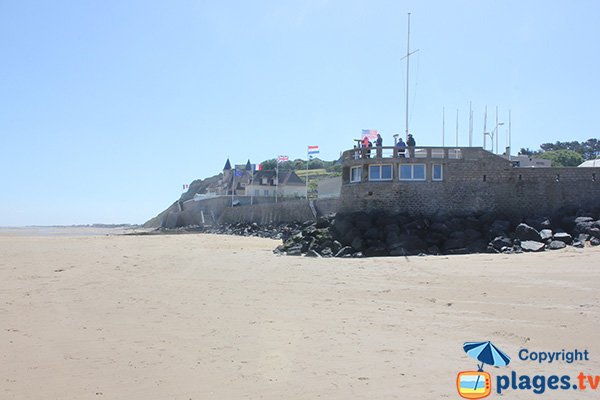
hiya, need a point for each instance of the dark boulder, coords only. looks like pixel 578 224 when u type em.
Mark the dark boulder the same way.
pixel 595 232
pixel 477 246
pixel 358 243
pixel 556 245
pixel 501 242
pixel 563 237
pixel 538 223
pixel 546 234
pixel 362 221
pixel 336 246
pixel 295 250
pixel 326 252
pixel 453 243
pixel 376 251
pixel 499 228
pixel 526 232
pixel 312 253
pixel 532 245
pixel 471 234
pixel 372 233
pixel 398 251
pixel 344 251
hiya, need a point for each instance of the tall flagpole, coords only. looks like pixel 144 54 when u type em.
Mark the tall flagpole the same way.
pixel 307 159
pixel 276 179
pixel 251 183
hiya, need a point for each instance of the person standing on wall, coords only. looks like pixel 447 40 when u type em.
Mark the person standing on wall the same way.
pixel 410 142
pixel 365 146
pixel 401 148
pixel 379 143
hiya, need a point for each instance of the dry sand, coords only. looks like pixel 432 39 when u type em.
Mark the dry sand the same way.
pixel 221 317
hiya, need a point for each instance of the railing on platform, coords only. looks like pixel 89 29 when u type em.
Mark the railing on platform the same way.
pixel 407 152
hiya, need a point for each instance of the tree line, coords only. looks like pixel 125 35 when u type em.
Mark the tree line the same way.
pixel 298 164
pixel 566 154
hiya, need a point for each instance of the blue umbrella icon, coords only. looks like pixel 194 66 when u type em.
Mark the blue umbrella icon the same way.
pixel 487 353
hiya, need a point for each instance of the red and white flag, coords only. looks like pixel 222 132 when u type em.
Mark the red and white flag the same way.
pixel 282 158
pixel 369 133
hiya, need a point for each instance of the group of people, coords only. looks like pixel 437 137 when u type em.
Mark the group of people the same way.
pixel 410 142
pixel 400 144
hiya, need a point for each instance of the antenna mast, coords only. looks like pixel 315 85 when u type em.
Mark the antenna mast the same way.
pixel 407 56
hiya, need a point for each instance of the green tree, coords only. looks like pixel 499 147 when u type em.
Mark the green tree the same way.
pixel 269 165
pixel 563 158
pixel 316 164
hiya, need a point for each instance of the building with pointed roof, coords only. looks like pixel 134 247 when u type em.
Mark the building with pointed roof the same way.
pixel 264 184
pixel 242 180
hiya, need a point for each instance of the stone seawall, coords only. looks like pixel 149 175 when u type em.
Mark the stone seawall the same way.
pixel 218 210
pixel 470 188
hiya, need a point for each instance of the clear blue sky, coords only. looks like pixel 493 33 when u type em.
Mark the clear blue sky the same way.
pixel 108 107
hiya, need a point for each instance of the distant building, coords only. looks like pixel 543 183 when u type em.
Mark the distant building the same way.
pixel 525 161
pixel 234 180
pixel 242 180
pixel 590 163
pixel 264 184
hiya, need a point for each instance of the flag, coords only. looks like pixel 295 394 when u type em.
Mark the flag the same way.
pixel 313 150
pixel 282 158
pixel 258 167
pixel 370 133
pixel 239 172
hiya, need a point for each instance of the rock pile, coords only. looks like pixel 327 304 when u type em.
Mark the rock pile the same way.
pixel 379 234
pixel 271 231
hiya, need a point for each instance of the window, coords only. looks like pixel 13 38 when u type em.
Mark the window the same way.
pixel 256 192
pixel 380 172
pixel 265 181
pixel 412 172
pixel 266 192
pixel 436 172
pixel 355 174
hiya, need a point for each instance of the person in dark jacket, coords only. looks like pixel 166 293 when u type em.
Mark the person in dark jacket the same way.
pixel 410 142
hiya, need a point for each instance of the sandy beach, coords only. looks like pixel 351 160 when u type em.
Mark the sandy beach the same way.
pixel 219 317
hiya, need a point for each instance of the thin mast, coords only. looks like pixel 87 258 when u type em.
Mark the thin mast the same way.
pixel 496 133
pixel 484 125
pixel 407 56
pixel 457 127
pixel 443 126
pixel 470 124
pixel 407 68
